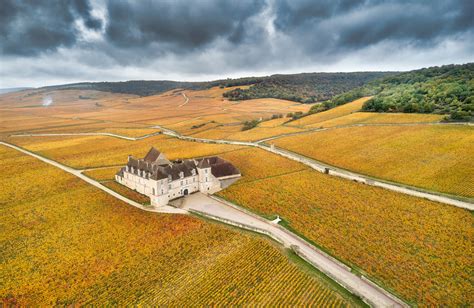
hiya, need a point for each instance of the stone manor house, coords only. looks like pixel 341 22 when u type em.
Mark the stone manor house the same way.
pixel 163 180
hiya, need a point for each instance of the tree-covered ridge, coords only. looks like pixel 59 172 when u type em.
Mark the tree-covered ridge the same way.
pixel 446 90
pixel 136 87
pixel 304 88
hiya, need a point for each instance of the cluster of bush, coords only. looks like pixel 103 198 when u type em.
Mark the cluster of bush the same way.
pixel 253 123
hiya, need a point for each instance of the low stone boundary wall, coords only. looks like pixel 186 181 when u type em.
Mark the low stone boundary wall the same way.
pixel 236 224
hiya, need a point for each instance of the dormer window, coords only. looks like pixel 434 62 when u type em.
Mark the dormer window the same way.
pixel 193 171
pixel 181 174
pixel 169 178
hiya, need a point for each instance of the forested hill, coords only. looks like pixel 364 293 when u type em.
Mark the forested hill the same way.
pixel 137 87
pixel 446 90
pixel 304 88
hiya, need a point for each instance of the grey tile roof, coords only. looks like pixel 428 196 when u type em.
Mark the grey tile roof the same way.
pixel 160 168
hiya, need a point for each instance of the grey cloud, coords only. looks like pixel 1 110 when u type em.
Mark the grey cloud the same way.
pixel 179 25
pixel 338 26
pixel 29 28
pixel 164 39
pixel 295 13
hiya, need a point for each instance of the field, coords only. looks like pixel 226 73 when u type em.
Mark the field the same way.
pixel 255 164
pixel 258 133
pixel 102 174
pixel 99 151
pixel 127 192
pixel 88 111
pixel 380 118
pixel 340 111
pixel 421 249
pixel 437 158
pixel 67 243
pixel 130 132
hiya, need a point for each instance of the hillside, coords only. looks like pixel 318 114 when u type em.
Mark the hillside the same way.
pixel 304 88
pixel 445 90
pixel 136 87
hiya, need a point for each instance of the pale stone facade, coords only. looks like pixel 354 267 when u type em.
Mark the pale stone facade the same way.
pixel 163 180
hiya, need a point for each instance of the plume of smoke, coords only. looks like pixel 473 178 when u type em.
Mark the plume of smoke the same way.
pixel 47 100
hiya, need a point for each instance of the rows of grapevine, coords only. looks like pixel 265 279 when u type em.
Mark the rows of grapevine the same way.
pixel 64 242
pixel 437 158
pixel 420 249
pixel 379 118
pixel 98 151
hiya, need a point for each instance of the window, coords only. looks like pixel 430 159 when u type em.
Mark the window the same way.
pixel 153 191
pixel 181 183
pixel 206 178
pixel 169 186
pixel 205 170
pixel 194 180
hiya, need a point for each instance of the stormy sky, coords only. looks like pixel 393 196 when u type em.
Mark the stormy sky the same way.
pixel 44 42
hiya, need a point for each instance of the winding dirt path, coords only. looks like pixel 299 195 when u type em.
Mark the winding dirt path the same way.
pixel 186 100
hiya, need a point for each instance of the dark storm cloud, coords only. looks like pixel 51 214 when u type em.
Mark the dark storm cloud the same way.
pixel 178 24
pixel 31 27
pixel 342 25
pixel 153 39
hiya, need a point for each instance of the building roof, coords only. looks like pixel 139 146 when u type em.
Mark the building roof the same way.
pixel 204 163
pixel 224 169
pixel 155 166
pixel 152 155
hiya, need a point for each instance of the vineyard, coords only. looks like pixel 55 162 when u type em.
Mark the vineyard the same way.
pixel 380 118
pixel 433 157
pixel 68 243
pixel 256 164
pixel 127 192
pixel 262 132
pixel 315 119
pixel 102 174
pixel 130 132
pixel 92 111
pixel 420 249
pixel 99 151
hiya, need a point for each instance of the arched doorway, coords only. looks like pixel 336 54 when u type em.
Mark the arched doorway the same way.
pixel 185 192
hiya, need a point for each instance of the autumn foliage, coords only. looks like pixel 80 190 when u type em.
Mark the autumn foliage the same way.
pixel 421 250
pixel 64 242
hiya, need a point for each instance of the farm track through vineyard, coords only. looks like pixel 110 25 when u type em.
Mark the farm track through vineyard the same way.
pixel 366 289
pixel 68 243
pixel 315 164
